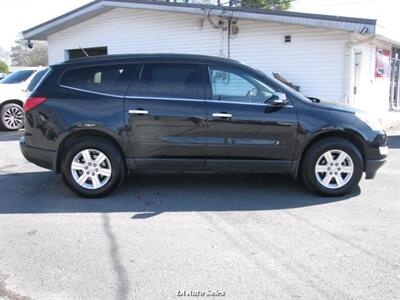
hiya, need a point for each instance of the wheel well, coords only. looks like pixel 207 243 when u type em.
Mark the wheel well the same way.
pixel 351 137
pixel 73 137
pixel 15 101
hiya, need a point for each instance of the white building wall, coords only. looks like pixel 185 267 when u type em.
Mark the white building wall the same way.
pixel 373 93
pixel 314 60
pixel 138 31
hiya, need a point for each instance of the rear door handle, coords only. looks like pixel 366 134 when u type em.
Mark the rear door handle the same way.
pixel 138 112
pixel 221 115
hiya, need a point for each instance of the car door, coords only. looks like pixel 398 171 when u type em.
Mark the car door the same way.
pixel 248 126
pixel 165 116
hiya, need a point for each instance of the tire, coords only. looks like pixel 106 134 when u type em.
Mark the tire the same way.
pixel 79 165
pixel 11 117
pixel 317 164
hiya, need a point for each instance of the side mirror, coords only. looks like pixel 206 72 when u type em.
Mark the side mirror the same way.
pixel 279 99
pixel 314 99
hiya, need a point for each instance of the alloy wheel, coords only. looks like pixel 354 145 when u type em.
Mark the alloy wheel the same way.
pixel 13 117
pixel 334 169
pixel 91 169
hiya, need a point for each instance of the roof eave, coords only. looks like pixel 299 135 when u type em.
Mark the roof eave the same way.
pixel 388 40
pixel 92 9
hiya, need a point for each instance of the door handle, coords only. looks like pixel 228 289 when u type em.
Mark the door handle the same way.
pixel 222 115
pixel 138 112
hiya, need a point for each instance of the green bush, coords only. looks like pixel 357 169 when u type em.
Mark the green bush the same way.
pixel 3 67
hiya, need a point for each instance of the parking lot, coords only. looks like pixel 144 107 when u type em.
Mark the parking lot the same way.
pixel 166 235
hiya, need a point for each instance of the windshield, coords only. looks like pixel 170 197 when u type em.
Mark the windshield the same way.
pixel 35 80
pixel 18 76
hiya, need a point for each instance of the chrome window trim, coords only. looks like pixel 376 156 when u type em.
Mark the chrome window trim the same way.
pixel 91 92
pixel 164 98
pixel 169 99
pixel 200 100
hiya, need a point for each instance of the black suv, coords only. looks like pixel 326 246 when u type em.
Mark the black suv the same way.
pixel 94 119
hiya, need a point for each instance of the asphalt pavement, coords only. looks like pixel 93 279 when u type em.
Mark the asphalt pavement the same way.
pixel 187 236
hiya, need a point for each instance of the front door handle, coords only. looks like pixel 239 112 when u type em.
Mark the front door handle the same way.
pixel 138 112
pixel 221 115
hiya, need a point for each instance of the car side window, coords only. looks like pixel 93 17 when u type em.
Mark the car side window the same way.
pixel 18 76
pixel 108 79
pixel 170 80
pixel 237 86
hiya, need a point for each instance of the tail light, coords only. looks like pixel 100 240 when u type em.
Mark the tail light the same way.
pixel 32 102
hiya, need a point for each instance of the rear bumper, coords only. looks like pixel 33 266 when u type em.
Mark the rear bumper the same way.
pixel 372 166
pixel 41 157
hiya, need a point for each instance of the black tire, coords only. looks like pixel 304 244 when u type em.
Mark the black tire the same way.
pixel 312 156
pixel 114 156
pixel 7 108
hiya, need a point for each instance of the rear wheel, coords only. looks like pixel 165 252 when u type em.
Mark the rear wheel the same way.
pixel 332 167
pixel 12 117
pixel 93 167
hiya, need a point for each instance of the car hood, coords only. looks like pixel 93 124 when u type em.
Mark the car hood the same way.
pixel 338 107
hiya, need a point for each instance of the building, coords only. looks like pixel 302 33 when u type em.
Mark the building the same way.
pixel 340 59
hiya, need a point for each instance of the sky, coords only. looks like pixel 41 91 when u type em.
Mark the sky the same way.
pixel 385 11
pixel 19 15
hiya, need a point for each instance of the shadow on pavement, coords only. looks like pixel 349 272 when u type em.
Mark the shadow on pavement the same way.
pixel 394 141
pixel 149 195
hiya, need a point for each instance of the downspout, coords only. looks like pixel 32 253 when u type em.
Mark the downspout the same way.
pixel 229 37
pixel 229 32
pixel 348 63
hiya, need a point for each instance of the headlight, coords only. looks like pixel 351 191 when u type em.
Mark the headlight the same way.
pixel 373 122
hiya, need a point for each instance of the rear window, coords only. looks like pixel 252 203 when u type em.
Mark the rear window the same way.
pixel 18 76
pixel 110 79
pixel 36 79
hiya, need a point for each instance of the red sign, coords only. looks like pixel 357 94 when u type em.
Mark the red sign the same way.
pixel 382 63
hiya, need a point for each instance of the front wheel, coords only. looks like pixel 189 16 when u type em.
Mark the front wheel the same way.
pixel 332 167
pixel 93 167
pixel 12 117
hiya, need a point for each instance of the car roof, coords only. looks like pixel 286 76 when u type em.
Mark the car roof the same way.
pixel 123 58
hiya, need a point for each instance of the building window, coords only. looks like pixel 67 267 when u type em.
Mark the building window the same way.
pixel 78 53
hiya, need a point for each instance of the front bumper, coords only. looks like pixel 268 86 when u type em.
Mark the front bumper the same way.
pixel 372 166
pixel 41 157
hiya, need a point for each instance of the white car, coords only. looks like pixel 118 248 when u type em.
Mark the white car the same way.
pixel 13 93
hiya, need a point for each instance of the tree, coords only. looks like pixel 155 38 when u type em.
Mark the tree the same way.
pixel 22 55
pixel 4 67
pixel 266 4
pixel 4 56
